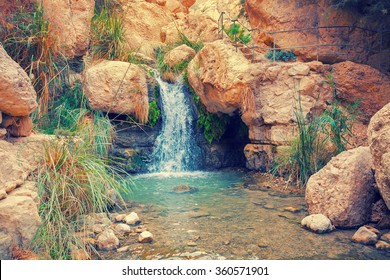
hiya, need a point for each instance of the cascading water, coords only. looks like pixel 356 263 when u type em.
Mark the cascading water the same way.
pixel 175 149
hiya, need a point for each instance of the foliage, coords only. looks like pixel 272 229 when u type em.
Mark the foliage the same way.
pixel 183 39
pixel 281 55
pixel 237 33
pixel 213 125
pixel 154 113
pixel 107 35
pixel 73 181
pixel 26 36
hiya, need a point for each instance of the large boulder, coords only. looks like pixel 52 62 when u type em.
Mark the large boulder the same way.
pixel 17 95
pixel 379 141
pixel 143 22
pixel 179 55
pixel 344 189
pixel 221 77
pixel 273 15
pixel 117 87
pixel 70 23
pixel 19 223
pixel 364 84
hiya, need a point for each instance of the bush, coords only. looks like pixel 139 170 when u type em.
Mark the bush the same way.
pixel 281 55
pixel 238 34
pixel 154 113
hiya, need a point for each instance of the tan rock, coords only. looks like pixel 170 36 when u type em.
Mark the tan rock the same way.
pixel 258 157
pixel 117 87
pixel 386 237
pixel 120 218
pixel 80 255
pixel 132 219
pixel 3 133
pixel 122 229
pixel 123 249
pixel 379 141
pixel 3 194
pixel 221 77
pixel 17 95
pixel 11 185
pixel 187 3
pixel 18 126
pixel 19 222
pixel 107 240
pixel 382 245
pixel 145 237
pixel 196 26
pixel 178 55
pixel 344 189
pixel 317 223
pixel 143 22
pixel 70 23
pixel 273 15
pixel 358 82
pixel 365 236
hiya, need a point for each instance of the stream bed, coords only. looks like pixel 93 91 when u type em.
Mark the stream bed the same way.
pixel 221 219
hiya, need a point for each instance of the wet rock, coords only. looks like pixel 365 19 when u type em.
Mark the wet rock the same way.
pixel 344 189
pixel 386 237
pixel 107 240
pixel 318 223
pixel 145 237
pixel 292 209
pixel 192 244
pixel 184 189
pixel 366 235
pixel 382 245
pixel 122 229
pixel 132 219
pixel 123 249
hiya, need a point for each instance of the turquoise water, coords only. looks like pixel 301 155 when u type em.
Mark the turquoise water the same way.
pixel 224 219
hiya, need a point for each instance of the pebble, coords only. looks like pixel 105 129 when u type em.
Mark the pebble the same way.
pixel 292 209
pixel 192 244
pixel 366 235
pixel 132 219
pixel 123 249
pixel 317 223
pixel 145 237
pixel 120 218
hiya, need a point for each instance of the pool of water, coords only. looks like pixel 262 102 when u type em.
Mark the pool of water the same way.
pixel 222 219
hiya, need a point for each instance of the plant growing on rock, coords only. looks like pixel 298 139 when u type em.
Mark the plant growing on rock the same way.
pixel 281 55
pixel 237 33
pixel 154 113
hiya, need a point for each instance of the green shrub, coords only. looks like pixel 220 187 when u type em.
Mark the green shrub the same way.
pixel 238 34
pixel 107 35
pixel 154 113
pixel 281 55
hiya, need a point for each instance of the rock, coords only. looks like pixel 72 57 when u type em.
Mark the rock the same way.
pixel 107 240
pixel 123 249
pixel 145 21
pixel 10 186
pixel 80 255
pixel 344 189
pixel 17 95
pixel 122 229
pixel 258 157
pixel 292 209
pixel 3 194
pixel 359 82
pixel 192 244
pixel 120 218
pixel 117 87
pixel 184 189
pixel 196 26
pixel 287 15
pixel 379 211
pixel 179 55
pixel 145 237
pixel 19 223
pixel 70 23
pixel 386 237
pixel 18 126
pixel 3 133
pixel 382 245
pixel 299 70
pixel 317 223
pixel 365 235
pixel 379 141
pixel 132 219
pixel 220 77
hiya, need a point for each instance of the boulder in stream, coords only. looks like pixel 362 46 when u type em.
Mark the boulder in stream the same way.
pixel 318 223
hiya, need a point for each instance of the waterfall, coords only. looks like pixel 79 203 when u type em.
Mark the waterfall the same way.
pixel 175 149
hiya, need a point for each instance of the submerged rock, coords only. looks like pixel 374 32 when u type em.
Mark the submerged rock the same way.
pixel 317 223
pixel 145 237
pixel 184 189
pixel 366 235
